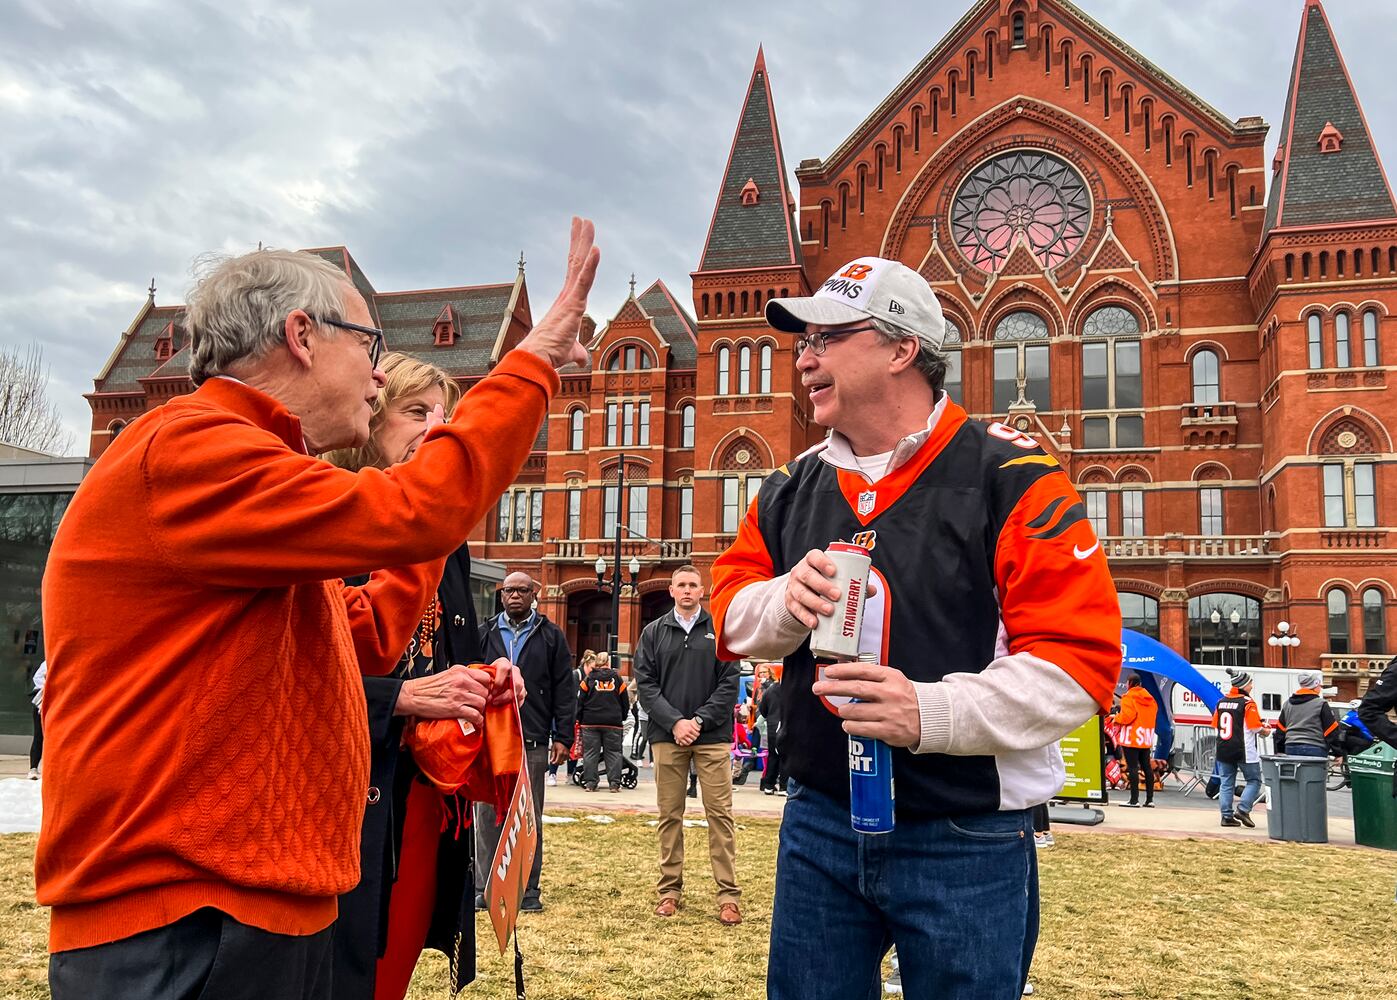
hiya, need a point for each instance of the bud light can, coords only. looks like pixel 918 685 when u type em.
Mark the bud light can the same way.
pixel 836 636
pixel 870 780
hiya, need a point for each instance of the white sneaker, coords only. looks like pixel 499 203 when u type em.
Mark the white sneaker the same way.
pixel 33 774
pixel 893 984
pixel 551 781
pixel 1043 840
pixel 1028 989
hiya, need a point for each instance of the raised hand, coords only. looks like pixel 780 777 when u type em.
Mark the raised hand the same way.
pixel 554 338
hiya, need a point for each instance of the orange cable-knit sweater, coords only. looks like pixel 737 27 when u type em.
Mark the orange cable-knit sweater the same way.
pixel 207 739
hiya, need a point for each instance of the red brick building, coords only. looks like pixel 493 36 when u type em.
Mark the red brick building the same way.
pixel 1207 360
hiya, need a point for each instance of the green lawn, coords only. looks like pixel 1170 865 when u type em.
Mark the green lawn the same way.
pixel 1123 916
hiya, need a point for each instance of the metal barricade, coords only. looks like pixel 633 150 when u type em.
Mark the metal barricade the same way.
pixel 1197 759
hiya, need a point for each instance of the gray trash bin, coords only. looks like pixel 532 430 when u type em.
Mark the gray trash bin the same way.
pixel 1298 810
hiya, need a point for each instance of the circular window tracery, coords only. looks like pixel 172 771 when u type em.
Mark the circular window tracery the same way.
pixel 1022 191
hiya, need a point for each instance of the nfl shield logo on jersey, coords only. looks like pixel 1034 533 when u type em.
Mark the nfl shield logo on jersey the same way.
pixel 867 500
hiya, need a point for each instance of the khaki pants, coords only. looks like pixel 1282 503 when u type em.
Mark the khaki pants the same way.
pixel 714 766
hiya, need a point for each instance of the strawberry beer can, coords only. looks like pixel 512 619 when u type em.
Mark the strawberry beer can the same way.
pixel 836 636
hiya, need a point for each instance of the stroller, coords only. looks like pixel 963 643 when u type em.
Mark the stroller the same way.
pixel 630 755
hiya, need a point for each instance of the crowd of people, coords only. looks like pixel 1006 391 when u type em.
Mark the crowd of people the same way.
pixel 279 741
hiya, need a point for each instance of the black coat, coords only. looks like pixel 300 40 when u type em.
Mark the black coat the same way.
pixel 546 663
pixel 361 932
pixel 770 709
pixel 679 676
pixel 602 699
pixel 1380 699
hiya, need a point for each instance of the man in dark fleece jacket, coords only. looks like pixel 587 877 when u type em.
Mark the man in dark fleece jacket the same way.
pixel 689 695
pixel 540 650
pixel 602 705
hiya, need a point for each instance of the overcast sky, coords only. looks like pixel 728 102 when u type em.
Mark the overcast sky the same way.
pixel 438 140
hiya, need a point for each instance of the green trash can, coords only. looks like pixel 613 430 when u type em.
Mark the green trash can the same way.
pixel 1374 808
pixel 1298 810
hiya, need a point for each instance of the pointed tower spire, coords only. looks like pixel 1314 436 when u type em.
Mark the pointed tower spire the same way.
pixel 750 232
pixel 1317 181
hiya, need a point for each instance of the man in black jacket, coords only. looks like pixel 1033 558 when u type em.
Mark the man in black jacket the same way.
pixel 540 650
pixel 689 695
pixel 1380 699
pixel 602 706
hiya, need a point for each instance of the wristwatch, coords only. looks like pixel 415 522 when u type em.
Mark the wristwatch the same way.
pixel 698 721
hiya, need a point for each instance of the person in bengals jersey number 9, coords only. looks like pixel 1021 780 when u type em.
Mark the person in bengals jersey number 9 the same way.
pixel 997 631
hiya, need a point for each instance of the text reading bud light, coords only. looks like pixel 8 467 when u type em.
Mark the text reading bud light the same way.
pixel 870 780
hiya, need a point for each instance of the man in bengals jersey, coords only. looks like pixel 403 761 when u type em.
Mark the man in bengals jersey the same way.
pixel 1238 723
pixel 996 625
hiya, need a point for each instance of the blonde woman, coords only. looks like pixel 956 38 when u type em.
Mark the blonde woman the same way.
pixel 416 862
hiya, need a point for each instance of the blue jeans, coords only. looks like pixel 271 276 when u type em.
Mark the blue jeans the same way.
pixel 959 899
pixel 1228 773
pixel 1306 750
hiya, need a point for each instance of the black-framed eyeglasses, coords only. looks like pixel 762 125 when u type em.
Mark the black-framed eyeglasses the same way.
pixel 818 341
pixel 519 591
pixel 375 347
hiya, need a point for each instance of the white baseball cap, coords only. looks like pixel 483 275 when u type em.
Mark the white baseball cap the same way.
pixel 867 288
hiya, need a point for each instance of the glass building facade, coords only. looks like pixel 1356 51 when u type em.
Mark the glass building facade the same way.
pixel 34 493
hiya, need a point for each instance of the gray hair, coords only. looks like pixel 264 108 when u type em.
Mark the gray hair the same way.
pixel 238 309
pixel 930 362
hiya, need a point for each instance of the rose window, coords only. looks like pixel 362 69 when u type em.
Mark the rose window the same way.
pixel 1025 191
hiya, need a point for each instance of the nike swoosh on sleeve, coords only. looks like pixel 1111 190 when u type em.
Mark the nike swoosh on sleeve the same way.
pixel 1081 554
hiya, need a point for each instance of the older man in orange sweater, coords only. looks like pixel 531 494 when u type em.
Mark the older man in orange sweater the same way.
pixel 208 742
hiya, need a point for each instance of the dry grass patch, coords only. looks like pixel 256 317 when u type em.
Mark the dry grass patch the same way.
pixel 1123 916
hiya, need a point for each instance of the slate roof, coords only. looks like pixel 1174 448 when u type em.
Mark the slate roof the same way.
pixel 408 319
pixel 136 355
pixel 674 325
pixel 764 234
pixel 1312 188
pixel 342 259
pixel 176 367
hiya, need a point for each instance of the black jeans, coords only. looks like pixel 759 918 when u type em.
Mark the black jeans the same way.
pixel 598 741
pixel 205 956
pixel 36 748
pixel 1138 758
pixel 771 775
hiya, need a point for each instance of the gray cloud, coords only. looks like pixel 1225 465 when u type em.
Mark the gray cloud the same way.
pixel 437 141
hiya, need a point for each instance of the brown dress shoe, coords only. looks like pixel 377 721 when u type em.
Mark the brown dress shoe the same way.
pixel 729 915
pixel 667 907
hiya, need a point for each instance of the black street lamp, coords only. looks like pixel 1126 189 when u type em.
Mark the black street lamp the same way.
pixel 616 582
pixel 1284 637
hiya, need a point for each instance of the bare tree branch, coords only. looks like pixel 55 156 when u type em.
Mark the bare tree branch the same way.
pixel 28 418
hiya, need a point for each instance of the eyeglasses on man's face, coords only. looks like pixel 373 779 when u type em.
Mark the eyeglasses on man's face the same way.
pixel 374 346
pixel 817 342
pixel 518 591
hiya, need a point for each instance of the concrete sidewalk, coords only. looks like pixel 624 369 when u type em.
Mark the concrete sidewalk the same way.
pixel 1174 816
